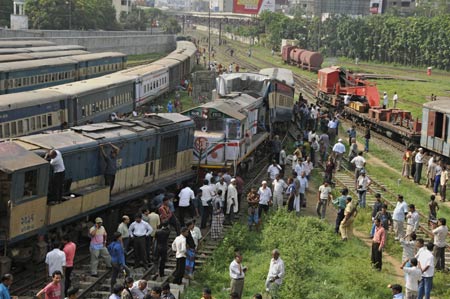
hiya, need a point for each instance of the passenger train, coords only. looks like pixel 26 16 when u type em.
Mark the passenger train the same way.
pixel 93 100
pixel 35 49
pixel 21 76
pixel 39 55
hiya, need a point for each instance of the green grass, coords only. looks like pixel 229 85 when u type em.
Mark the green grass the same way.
pixel 318 264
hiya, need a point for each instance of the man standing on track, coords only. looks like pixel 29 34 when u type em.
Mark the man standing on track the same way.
pixel 179 246
pixel 69 250
pixel 139 230
pixel 338 152
pixel 419 163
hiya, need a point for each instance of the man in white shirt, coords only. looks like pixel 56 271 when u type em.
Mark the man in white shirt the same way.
pixel 385 100
pixel 419 164
pixel 139 289
pixel 59 171
pixel 299 166
pixel 179 246
pixel 237 275
pixel 359 163
pixel 273 170
pixel 338 152
pixel 323 199
pixel 332 125
pixel 279 185
pixel 208 192
pixel 55 260
pixel 232 200
pixel 276 273
pixel 363 183
pixel 139 230
pixel 265 198
pixel 440 232
pixel 283 158
pixel 398 216
pixel 221 185
pixel 395 99
pixel 347 98
pixel 208 176
pixel 303 180
pixel 412 220
pixel 412 277
pixel 307 167
pixel 426 264
pixel 184 205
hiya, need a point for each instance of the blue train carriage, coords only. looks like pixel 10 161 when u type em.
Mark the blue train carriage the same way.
pixel 155 153
pixel 279 94
pixel 31 112
pixel 94 100
pixel 29 75
pixel 98 64
pixel 150 81
pixel 228 131
pixel 436 127
pixel 54 48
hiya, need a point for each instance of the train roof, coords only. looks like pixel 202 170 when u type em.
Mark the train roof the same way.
pixel 53 48
pixel 234 105
pixel 15 157
pixel 186 45
pixel 241 82
pixel 39 55
pixel 88 86
pixel 94 133
pixel 28 98
pixel 166 62
pixel 143 69
pixel 24 43
pixel 30 64
pixel 4 51
pixel 439 105
pixel 279 74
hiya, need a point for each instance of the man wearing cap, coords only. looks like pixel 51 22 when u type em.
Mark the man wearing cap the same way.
pixel 232 200
pixel 98 246
pixel 418 159
pixel 139 231
pixel 363 183
pixel 265 198
pixel 338 152
pixel 346 227
pixel 123 230
pixel 398 216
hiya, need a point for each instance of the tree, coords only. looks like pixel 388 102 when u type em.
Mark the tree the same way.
pixel 170 25
pixel 6 8
pixel 74 14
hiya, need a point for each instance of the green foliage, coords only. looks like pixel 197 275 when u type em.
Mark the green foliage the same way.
pixel 318 265
pixel 140 19
pixel 74 14
pixel 383 38
pixel 6 8
pixel 170 25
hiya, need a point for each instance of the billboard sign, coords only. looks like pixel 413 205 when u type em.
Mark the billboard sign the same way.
pixel 253 7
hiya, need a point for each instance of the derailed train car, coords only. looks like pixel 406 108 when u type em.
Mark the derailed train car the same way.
pixel 155 152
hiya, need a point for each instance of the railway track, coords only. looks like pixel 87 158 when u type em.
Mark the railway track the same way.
pixel 27 285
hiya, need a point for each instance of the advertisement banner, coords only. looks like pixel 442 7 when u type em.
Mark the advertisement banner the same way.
pixel 253 6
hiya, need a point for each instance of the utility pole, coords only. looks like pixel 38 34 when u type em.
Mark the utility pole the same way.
pixel 209 35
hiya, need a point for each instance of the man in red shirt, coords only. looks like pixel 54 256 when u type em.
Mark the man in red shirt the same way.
pixel 379 239
pixel 53 289
pixel 166 214
pixel 69 249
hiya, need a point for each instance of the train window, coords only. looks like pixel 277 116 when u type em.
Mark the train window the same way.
pixel 13 128
pixel 20 126
pixel 30 186
pixel 439 125
pixel 25 81
pixel 44 121
pixel 38 122
pixel 33 124
pixel 1 131
pixel 49 120
pixel 11 83
pixel 32 80
pixel 53 77
pixel 83 111
pixel 113 102
pixel 168 150
pixel 26 124
pixel 7 130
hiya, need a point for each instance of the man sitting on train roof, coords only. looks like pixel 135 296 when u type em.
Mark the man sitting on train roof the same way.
pixel 59 170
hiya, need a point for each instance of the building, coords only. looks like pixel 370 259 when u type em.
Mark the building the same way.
pixel 225 6
pixel 329 7
pixel 403 7
pixel 19 20
pixel 121 6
